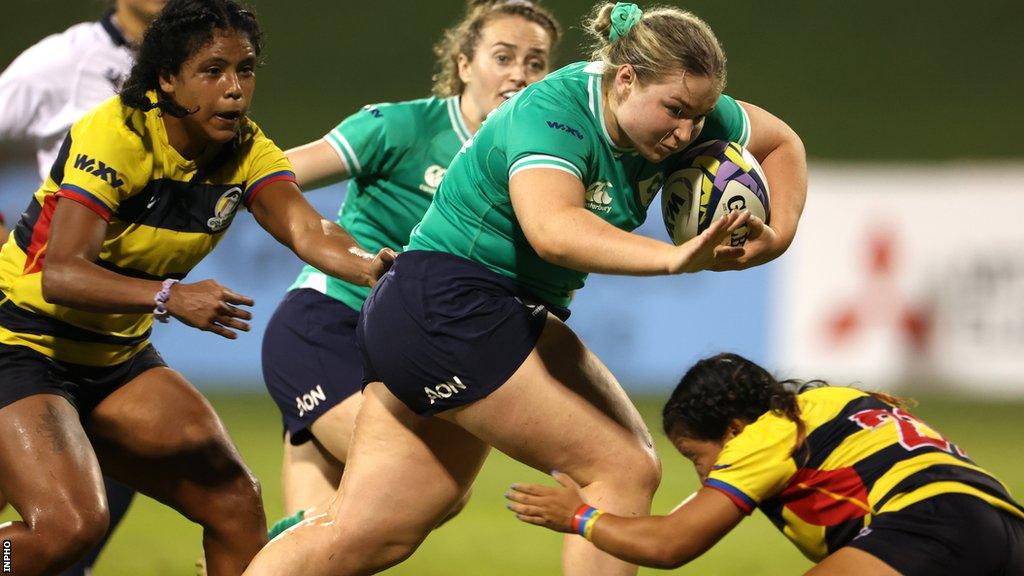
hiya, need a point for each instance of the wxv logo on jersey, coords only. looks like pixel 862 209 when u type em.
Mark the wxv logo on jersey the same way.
pixel 99 169
pixel 564 128
pixel 597 197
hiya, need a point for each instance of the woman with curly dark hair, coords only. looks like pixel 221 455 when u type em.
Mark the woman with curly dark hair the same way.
pixel 145 185
pixel 854 480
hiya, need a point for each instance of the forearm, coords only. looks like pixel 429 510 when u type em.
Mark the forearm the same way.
pixel 575 238
pixel 79 284
pixel 332 250
pixel 647 541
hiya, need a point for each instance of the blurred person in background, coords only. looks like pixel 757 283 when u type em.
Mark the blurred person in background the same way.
pixel 49 87
pixel 143 188
pixel 463 341
pixel 856 482
pixel 395 155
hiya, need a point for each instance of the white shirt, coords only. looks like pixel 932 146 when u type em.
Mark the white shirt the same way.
pixel 56 81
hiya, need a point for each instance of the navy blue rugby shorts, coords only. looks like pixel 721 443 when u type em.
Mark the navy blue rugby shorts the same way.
pixel 310 359
pixel 441 331
pixel 27 373
pixel 947 535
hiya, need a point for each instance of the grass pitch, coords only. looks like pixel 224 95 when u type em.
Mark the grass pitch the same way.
pixel 486 540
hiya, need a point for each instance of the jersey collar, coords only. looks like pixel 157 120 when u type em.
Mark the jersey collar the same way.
pixel 455 116
pixel 595 100
pixel 107 21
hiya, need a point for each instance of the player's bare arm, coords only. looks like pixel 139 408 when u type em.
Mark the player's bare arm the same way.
pixel 657 541
pixel 781 154
pixel 282 211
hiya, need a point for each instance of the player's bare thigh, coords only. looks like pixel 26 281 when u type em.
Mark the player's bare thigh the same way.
pixel 562 409
pixel 312 470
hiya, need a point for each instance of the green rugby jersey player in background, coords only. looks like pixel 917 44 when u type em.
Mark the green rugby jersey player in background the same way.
pixel 463 341
pixel 395 155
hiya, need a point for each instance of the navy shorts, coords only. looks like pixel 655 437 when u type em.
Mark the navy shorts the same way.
pixel 310 359
pixel 441 331
pixel 26 372
pixel 948 534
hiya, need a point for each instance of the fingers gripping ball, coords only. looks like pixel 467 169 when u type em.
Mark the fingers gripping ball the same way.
pixel 716 178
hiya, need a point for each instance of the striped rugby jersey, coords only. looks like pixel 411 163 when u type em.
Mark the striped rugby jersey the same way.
pixel 117 161
pixel 862 457
pixel 556 123
pixel 396 155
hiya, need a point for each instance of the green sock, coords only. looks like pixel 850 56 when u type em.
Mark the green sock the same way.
pixel 284 524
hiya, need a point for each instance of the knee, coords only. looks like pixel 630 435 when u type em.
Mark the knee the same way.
pixel 234 504
pixel 461 504
pixel 637 472
pixel 457 507
pixel 70 532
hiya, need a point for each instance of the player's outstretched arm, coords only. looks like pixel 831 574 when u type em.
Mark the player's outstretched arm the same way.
pixel 781 154
pixel 71 277
pixel 316 163
pixel 282 211
pixel 549 206
pixel 656 541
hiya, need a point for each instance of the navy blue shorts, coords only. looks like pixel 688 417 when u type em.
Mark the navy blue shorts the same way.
pixel 310 359
pixel 26 373
pixel 441 331
pixel 947 535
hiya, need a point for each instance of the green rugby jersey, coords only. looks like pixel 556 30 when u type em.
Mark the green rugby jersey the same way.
pixel 396 155
pixel 555 123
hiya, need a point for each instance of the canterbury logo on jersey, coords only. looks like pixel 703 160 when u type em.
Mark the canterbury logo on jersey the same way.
pixel 597 197
pixel 565 128
pixel 99 169
pixel 432 179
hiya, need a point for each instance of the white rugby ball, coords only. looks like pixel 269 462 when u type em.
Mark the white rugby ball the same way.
pixel 714 179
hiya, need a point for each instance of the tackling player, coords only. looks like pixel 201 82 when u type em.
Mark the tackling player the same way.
pixel 854 480
pixel 396 155
pixel 144 186
pixel 463 341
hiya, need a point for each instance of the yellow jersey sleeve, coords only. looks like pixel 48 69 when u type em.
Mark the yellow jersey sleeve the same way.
pixel 105 162
pixel 757 463
pixel 264 163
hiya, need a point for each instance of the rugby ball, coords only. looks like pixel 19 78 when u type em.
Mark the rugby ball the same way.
pixel 714 179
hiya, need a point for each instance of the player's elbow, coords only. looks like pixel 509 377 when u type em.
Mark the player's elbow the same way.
pixel 54 281
pixel 549 240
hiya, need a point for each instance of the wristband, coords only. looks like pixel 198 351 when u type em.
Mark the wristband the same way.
pixel 584 519
pixel 160 313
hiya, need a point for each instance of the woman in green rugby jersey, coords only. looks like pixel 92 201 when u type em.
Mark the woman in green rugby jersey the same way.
pixel 463 341
pixel 855 481
pixel 395 155
pixel 144 186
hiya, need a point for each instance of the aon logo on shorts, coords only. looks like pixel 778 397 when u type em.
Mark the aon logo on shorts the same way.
pixel 310 400
pixel 444 390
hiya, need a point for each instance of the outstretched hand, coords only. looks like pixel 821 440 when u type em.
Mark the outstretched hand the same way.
pixel 549 506
pixel 211 307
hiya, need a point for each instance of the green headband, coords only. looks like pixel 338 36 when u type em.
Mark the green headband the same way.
pixel 624 16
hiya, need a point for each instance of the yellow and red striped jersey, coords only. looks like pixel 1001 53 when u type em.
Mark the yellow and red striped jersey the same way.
pixel 862 457
pixel 164 213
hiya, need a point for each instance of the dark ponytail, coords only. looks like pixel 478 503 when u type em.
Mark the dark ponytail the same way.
pixel 723 388
pixel 181 29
